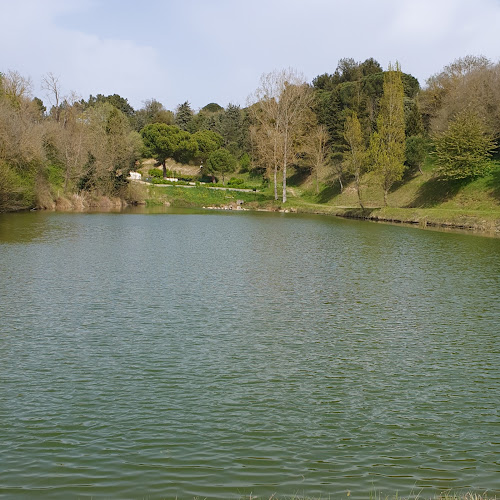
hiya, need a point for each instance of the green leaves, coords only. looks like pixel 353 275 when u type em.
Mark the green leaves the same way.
pixel 208 141
pixel 387 145
pixel 221 162
pixel 463 150
pixel 168 141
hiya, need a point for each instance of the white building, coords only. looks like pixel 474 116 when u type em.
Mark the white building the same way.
pixel 135 176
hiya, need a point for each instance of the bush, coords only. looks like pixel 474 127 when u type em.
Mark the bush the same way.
pixel 156 173
pixel 235 182
pixel 463 151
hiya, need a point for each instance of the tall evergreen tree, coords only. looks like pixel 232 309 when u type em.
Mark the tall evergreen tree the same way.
pixel 184 115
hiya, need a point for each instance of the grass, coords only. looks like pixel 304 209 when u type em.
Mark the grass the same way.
pixel 419 199
pixel 199 196
pixel 447 495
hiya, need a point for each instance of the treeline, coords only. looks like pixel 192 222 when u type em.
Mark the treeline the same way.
pixel 356 119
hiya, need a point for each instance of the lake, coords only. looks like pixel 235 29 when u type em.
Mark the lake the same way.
pixel 228 355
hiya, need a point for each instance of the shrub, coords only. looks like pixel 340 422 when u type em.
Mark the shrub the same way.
pixel 463 151
pixel 235 182
pixel 155 173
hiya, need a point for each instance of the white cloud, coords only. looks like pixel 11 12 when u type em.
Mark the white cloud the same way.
pixel 216 50
pixel 85 63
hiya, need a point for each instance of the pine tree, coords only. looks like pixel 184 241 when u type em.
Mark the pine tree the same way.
pixel 184 115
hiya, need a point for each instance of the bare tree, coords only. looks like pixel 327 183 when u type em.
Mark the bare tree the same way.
pixel 281 102
pixel 50 83
pixel 355 153
pixel 265 136
pixel 318 150
pixel 16 87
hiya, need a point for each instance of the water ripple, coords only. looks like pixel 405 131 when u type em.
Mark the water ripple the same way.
pixel 157 356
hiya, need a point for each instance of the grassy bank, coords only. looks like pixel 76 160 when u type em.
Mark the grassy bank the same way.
pixel 420 199
pixel 201 196
pixel 378 496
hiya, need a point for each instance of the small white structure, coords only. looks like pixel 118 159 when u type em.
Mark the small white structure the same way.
pixel 135 176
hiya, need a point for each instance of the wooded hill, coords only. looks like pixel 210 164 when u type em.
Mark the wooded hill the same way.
pixel 358 126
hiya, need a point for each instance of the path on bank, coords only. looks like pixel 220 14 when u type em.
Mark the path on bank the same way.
pixel 485 221
pixel 242 190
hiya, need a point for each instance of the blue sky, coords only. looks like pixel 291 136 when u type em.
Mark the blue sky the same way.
pixel 216 50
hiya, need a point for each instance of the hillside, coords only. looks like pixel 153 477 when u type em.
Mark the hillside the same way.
pixel 418 199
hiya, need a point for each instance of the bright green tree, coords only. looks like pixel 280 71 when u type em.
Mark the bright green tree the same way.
pixel 387 144
pixel 355 153
pixel 221 162
pixel 463 151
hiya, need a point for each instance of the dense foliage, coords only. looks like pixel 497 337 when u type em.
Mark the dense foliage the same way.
pixel 356 119
pixel 463 150
pixel 220 162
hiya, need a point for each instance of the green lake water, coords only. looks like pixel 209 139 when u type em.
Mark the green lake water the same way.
pixel 219 355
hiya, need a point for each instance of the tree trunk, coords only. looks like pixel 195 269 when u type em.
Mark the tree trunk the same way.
pixel 276 182
pixel 284 182
pixel 358 190
pixel 385 196
pixel 164 165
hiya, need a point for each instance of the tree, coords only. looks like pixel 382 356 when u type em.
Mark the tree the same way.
pixel 355 153
pixel 416 151
pixel 413 119
pixel 184 115
pixel 113 146
pixel 152 112
pixel 39 106
pixel 387 144
pixel 470 81
pixel 168 141
pixel 159 140
pixel 50 83
pixel 318 151
pixel 464 149
pixel 221 162
pixel 115 100
pixel 212 107
pixel 186 147
pixel 282 101
pixel 230 126
pixel 16 88
pixel 265 142
pixel 208 142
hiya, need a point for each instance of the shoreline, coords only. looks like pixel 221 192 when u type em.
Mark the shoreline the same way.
pixel 465 220
pixel 470 221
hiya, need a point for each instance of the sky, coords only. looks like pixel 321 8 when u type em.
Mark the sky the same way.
pixel 204 51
